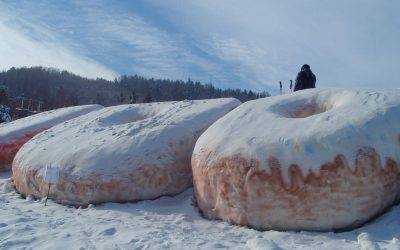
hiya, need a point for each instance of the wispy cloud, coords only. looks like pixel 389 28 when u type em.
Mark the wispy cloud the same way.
pixel 147 47
pixel 347 43
pixel 115 36
pixel 25 44
pixel 253 44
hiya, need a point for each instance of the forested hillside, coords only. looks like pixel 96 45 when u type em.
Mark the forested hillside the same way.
pixel 39 88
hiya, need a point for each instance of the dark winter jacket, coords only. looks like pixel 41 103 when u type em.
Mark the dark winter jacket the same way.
pixel 305 80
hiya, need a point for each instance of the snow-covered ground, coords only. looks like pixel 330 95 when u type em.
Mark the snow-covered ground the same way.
pixel 165 223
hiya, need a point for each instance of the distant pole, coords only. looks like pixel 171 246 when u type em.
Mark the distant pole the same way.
pixel 47 196
pixel 52 177
pixel 280 87
pixel 291 85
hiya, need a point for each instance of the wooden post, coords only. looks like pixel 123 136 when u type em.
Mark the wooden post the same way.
pixel 52 177
pixel 48 192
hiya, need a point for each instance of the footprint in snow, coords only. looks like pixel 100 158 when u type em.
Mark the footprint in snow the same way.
pixel 109 231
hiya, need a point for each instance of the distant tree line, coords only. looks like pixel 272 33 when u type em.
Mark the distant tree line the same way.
pixel 49 88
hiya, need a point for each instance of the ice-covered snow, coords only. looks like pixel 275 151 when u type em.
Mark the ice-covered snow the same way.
pixel 120 153
pixel 165 223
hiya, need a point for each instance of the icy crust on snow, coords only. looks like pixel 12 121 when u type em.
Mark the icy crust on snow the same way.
pixel 307 128
pixel 115 140
pixel 15 129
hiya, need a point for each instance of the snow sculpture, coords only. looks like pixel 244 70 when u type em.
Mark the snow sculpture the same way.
pixel 15 134
pixel 119 154
pixel 316 160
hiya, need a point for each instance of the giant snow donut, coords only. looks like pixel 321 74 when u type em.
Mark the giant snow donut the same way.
pixel 118 154
pixel 316 160
pixel 15 134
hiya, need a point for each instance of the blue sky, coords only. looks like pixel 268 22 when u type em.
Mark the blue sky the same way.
pixel 247 44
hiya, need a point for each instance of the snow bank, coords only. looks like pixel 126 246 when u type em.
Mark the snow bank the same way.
pixel 14 134
pixel 365 242
pixel 261 244
pixel 164 223
pixel 121 153
pixel 313 160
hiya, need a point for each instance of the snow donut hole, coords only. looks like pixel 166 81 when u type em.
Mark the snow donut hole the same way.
pixel 136 114
pixel 303 109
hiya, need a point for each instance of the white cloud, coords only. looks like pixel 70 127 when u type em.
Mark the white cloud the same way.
pixel 19 49
pixel 231 43
pixel 347 43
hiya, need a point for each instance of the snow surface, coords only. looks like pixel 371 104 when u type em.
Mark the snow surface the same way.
pixel 165 223
pixel 18 128
pixel 338 122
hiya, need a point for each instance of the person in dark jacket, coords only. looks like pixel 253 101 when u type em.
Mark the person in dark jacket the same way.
pixel 305 79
